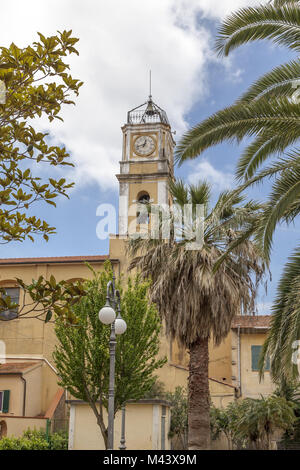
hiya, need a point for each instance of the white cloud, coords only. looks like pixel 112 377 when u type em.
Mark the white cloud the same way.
pixel 205 171
pixel 264 308
pixel 119 42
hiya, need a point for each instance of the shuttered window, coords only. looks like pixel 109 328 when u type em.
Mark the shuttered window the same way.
pixel 4 401
pixel 255 354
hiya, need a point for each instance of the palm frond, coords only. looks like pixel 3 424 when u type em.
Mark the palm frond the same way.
pixel 279 24
pixel 179 191
pixel 285 190
pixel 194 301
pixel 200 193
pixel 279 117
pixel 285 324
pixel 263 147
pixel 280 81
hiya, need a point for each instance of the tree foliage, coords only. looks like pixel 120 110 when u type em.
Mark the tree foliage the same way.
pixel 268 113
pixel 251 423
pixel 194 301
pixel 38 85
pixel 33 439
pixel 197 301
pixel 179 415
pixel 35 84
pixel 82 354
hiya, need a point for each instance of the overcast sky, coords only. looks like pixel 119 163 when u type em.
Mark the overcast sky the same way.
pixel 119 42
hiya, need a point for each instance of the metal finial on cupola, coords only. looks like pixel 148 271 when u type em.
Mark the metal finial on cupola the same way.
pixel 147 113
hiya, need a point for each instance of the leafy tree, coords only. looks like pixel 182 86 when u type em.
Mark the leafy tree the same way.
pixel 219 423
pixel 291 392
pixel 255 420
pixel 251 423
pixel 269 113
pixel 46 298
pixel 82 354
pixel 35 83
pixel 179 415
pixel 195 303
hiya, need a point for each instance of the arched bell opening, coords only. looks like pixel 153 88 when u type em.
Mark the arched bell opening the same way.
pixel 143 216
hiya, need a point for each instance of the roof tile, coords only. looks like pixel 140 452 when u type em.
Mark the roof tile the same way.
pixel 16 367
pixel 251 321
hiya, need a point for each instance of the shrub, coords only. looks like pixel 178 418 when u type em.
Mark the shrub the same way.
pixel 23 443
pixel 33 439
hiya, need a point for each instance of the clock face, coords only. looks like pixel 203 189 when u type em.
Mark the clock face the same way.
pixel 144 145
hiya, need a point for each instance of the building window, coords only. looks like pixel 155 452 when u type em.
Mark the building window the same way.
pixel 255 354
pixel 14 294
pixel 4 401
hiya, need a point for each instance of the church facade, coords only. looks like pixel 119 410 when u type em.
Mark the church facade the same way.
pixel 28 379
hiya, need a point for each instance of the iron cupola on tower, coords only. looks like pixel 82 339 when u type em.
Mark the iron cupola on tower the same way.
pixel 147 162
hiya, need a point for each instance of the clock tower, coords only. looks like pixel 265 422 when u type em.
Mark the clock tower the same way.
pixel 147 164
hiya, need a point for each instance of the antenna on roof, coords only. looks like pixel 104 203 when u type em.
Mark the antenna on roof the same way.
pixel 150 95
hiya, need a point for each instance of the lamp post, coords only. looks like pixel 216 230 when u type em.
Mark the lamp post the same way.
pixel 107 316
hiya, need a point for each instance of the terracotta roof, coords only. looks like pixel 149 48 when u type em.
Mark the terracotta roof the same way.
pixel 251 321
pixel 54 404
pixel 16 367
pixel 54 260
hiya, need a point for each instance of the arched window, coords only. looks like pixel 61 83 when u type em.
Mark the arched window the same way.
pixel 143 216
pixel 3 429
pixel 143 197
pixel 13 291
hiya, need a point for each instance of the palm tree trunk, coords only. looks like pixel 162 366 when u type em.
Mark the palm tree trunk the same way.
pixel 199 401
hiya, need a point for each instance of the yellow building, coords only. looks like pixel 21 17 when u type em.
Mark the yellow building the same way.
pixel 29 394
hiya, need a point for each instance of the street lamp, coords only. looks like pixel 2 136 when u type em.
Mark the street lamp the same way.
pixel 107 316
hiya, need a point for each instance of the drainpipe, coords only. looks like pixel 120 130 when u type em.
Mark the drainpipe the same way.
pixel 24 394
pixel 48 424
pixel 239 362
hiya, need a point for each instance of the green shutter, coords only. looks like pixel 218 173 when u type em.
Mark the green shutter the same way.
pixel 255 354
pixel 5 405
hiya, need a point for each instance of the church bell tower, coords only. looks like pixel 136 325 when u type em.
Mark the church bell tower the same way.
pixel 147 163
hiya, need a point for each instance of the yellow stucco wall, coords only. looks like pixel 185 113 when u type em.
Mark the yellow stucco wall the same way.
pixel 17 426
pixel 250 384
pixel 30 340
pixel 14 383
pixel 16 387
pixel 143 428
pixel 34 391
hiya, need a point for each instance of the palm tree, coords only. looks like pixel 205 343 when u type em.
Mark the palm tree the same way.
pixel 269 112
pixel 254 421
pixel 195 304
pixel 266 112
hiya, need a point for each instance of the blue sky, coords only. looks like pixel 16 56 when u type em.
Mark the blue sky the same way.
pixel 189 82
